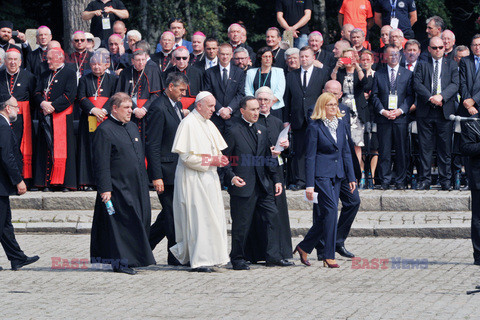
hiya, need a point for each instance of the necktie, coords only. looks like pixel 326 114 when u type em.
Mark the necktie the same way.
pixel 477 63
pixel 177 110
pixel 409 66
pixel 392 81
pixel 211 64
pixel 435 78
pixel 225 76
pixel 304 81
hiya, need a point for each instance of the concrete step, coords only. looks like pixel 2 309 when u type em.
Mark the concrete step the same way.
pixel 372 200
pixel 367 223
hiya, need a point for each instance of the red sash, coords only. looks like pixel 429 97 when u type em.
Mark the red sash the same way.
pixel 59 145
pixel 99 103
pixel 187 102
pixel 141 102
pixel 26 143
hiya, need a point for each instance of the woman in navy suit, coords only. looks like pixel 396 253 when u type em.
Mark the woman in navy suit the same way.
pixel 327 162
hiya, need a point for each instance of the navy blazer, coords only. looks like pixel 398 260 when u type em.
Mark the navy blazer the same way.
pixel 11 164
pixel 326 158
pixel 381 91
pixel 226 96
pixel 423 86
pixel 298 102
pixel 469 84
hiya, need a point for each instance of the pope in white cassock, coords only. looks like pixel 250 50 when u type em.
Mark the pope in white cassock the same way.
pixel 199 215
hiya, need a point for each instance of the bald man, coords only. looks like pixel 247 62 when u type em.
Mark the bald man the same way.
pixel 448 38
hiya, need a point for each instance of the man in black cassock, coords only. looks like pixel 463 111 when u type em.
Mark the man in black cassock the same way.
pixel 55 164
pixel 94 90
pixel 257 239
pixel 121 239
pixel 20 83
pixel 195 75
pixel 39 55
pixel 143 84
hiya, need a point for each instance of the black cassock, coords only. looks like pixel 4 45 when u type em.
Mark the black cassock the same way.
pixel 143 86
pixel 257 239
pixel 93 92
pixel 195 78
pixel 119 164
pixel 56 146
pixel 21 86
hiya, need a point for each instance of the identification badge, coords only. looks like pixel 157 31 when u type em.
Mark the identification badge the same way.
pixel 134 99
pixel 394 23
pixel 106 23
pixel 92 123
pixel 280 160
pixel 354 105
pixel 392 101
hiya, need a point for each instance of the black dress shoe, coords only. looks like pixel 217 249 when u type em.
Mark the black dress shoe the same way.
pixel 447 187
pixel 1 268
pixel 279 263
pixel 344 252
pixel 477 263
pixel 385 186
pixel 423 186
pixel 88 189
pixel 399 186
pixel 65 190
pixel 293 187
pixel 240 265
pixel 125 270
pixel 202 269
pixel 16 264
pixel 46 189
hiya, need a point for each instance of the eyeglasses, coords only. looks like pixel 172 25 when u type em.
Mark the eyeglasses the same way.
pixel 437 48
pixel 79 40
pixel 181 58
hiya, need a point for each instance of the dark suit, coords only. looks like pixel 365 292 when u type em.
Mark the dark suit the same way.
pixel 432 121
pixel 327 163
pixel 392 132
pixel 161 126
pixel 327 58
pixel 469 84
pixel 226 96
pixel 470 146
pixel 252 161
pixel 10 176
pixel 297 102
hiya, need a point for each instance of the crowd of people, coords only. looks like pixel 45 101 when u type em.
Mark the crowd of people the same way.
pixel 395 105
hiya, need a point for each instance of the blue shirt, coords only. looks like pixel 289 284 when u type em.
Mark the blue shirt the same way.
pixel 401 12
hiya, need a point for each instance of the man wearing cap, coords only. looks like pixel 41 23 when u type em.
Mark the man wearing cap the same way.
pixel 199 215
pixel 163 119
pixel 20 83
pixel 194 75
pixel 39 55
pixel 163 58
pixel 55 166
pixel 6 29
pixel 197 57
pixel 103 14
pixel 11 182
pixel 80 57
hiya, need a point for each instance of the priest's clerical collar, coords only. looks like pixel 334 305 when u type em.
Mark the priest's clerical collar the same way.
pixel 116 120
pixel 265 114
pixel 12 74
pixel 248 122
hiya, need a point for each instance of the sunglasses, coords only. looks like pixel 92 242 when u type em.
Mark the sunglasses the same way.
pixel 437 48
pixel 80 40
pixel 181 58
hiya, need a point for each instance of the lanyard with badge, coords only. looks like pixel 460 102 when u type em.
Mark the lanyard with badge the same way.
pixel 79 66
pixel 106 22
pixel 392 97
pixel 393 16
pixel 260 77
pixel 133 95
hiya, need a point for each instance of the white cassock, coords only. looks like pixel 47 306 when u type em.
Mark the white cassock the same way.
pixel 198 211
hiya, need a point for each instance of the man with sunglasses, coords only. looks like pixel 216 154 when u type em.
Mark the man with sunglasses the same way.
pixel 436 85
pixel 80 57
pixel 195 76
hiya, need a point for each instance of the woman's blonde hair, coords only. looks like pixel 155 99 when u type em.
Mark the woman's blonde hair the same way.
pixel 319 110
pixel 348 50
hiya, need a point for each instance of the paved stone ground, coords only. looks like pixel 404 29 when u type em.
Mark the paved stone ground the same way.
pixel 161 292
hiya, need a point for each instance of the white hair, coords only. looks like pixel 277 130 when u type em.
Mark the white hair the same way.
pixel 266 90
pixel 313 34
pixel 135 34
pixel 291 51
pixel 395 30
pixel 44 27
